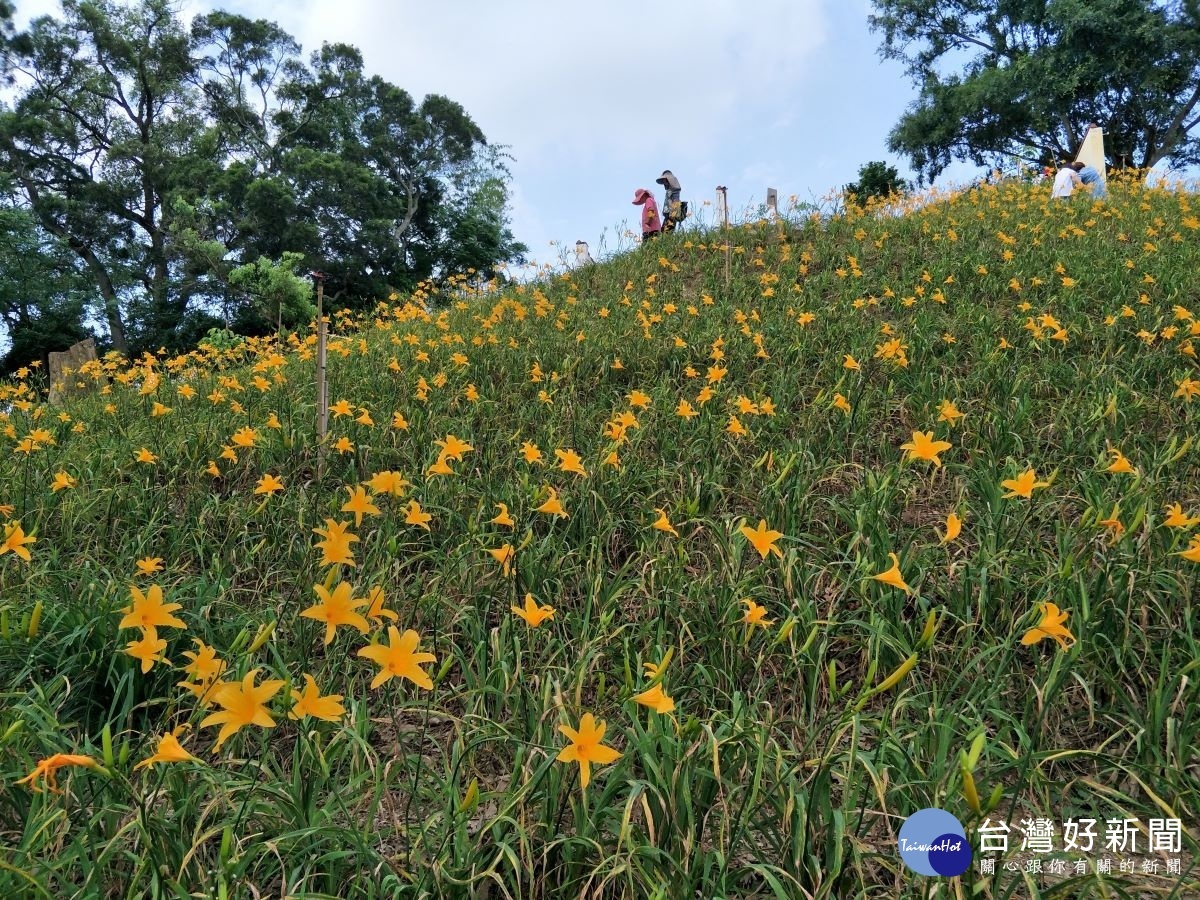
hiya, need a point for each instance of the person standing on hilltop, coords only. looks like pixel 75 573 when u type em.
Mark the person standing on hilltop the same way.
pixel 651 224
pixel 673 210
pixel 1065 182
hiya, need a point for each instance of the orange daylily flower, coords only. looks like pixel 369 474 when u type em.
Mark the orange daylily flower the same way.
pixel 337 608
pixel 46 770
pixel 892 576
pixel 586 747
pixel 1023 485
pixel 1051 625
pixel 399 659
pixel 533 613
pixel 763 538
pixel 923 446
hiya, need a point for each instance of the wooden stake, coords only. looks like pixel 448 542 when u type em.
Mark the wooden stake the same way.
pixel 723 200
pixel 322 388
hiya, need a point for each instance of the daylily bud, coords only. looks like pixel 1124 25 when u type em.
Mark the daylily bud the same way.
pixel 812 636
pixel 526 541
pixel 994 800
pixel 666 660
pixel 894 679
pixel 470 798
pixel 106 748
pixel 12 730
pixel 1178 455
pixel 931 626
pixel 34 619
pixel 970 794
pixel 976 750
pixel 264 635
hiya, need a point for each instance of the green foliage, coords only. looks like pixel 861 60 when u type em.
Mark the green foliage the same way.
pixel 877 179
pixel 165 158
pixel 280 295
pixel 999 80
pixel 42 296
pixel 7 8
pixel 221 340
pixel 479 236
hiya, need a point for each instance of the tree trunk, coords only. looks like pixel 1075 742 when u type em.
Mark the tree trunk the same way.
pixel 164 315
pixel 112 308
pixel 1175 131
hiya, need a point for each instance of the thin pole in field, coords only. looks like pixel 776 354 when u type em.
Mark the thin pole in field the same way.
pixel 723 204
pixel 322 388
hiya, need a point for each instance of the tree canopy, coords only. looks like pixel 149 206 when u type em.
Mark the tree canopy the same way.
pixel 43 294
pixel 1023 78
pixel 165 157
pixel 877 179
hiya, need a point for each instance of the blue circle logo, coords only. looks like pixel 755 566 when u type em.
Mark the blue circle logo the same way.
pixel 933 842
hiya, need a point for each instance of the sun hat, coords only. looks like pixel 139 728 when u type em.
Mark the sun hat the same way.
pixel 668 180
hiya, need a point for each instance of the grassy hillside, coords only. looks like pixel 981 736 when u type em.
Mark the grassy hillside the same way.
pixel 880 655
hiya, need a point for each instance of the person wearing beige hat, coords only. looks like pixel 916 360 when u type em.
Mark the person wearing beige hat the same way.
pixel 674 210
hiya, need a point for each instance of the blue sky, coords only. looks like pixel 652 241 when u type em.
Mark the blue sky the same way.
pixel 595 100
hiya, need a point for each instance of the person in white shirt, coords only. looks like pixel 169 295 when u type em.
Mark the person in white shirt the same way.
pixel 1065 182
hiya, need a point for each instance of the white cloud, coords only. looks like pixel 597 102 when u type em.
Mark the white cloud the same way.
pixel 619 80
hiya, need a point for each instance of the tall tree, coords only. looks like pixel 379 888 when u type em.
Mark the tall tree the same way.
pixel 1005 78
pixel 98 139
pixel 371 187
pixel 165 157
pixel 478 235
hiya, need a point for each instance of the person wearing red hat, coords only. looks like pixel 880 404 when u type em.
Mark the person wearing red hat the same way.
pixel 651 224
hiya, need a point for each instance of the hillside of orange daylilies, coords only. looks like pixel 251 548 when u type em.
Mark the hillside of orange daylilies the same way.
pixel 627 582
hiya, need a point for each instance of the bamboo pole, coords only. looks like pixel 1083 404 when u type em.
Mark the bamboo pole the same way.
pixel 322 387
pixel 724 201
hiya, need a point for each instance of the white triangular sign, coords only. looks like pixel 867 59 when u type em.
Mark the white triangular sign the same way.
pixel 1091 153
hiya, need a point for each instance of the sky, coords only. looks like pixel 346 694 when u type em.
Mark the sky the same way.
pixel 594 101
